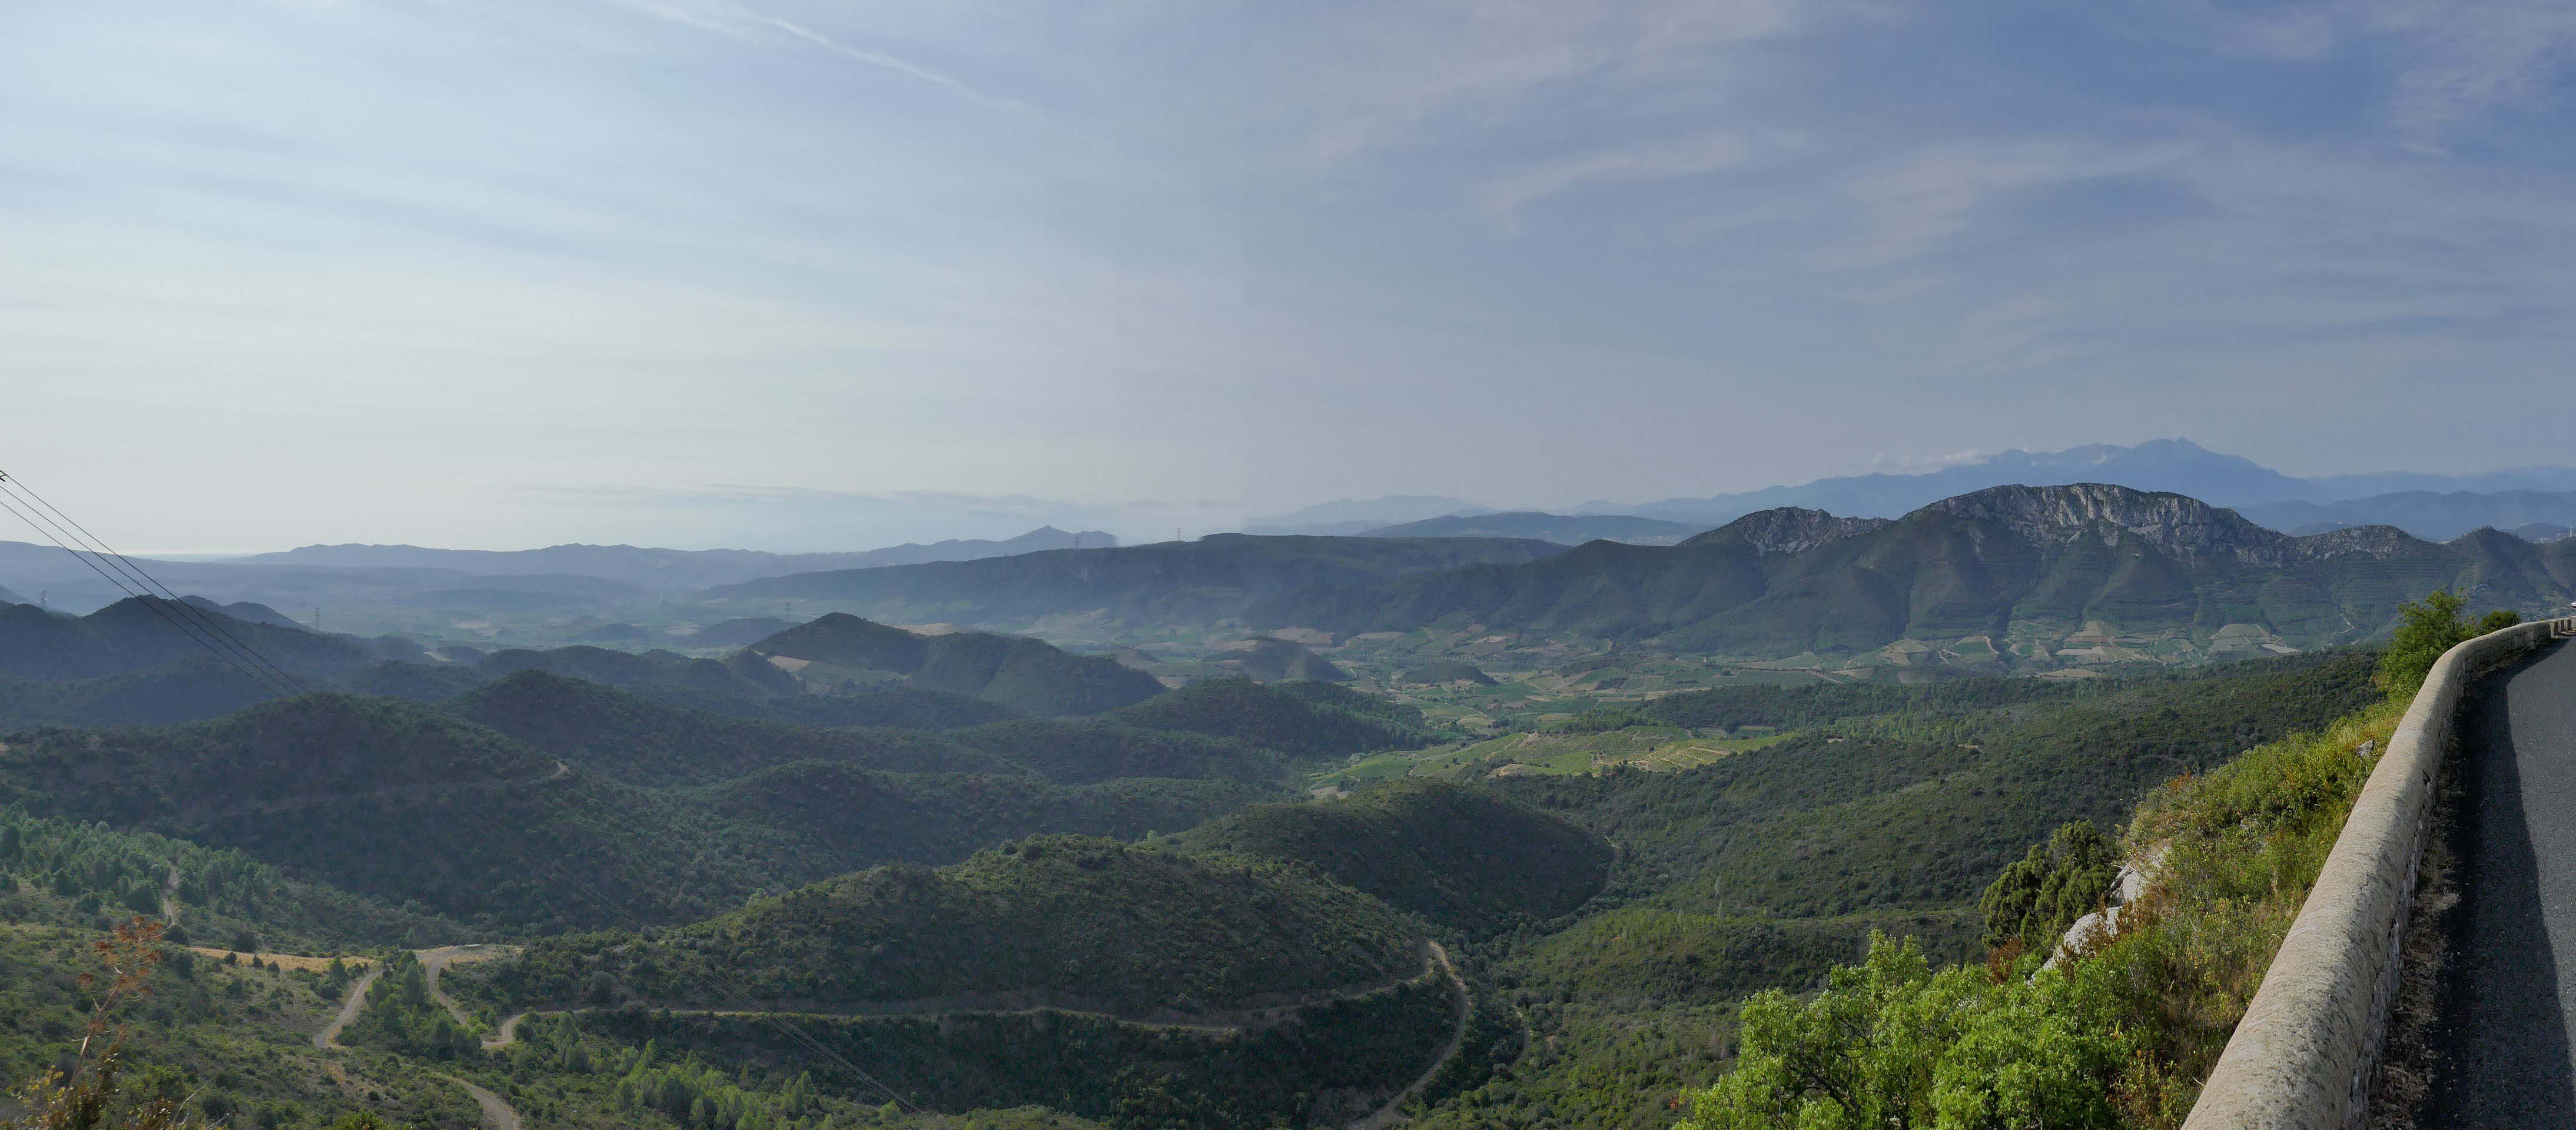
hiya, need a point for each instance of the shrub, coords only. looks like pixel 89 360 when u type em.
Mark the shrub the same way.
pixel 2425 630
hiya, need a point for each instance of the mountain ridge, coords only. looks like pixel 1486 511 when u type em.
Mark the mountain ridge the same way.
pixel 2036 564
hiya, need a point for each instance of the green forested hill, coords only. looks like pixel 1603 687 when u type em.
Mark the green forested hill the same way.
pixel 196 687
pixel 842 811
pixel 1029 676
pixel 403 802
pixel 138 632
pixel 1304 719
pixel 647 743
pixel 1096 750
pixel 1453 855
pixel 1823 824
pixel 1130 929
pixel 76 874
pixel 1213 578
pixel 2034 560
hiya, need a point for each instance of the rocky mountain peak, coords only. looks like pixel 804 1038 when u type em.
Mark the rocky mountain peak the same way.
pixel 2177 524
pixel 1792 529
pixel 2373 541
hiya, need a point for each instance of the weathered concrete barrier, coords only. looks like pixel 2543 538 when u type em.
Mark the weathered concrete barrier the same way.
pixel 2302 1057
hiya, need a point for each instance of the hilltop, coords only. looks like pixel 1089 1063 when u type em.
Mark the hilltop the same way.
pixel 1456 856
pixel 644 742
pixel 1306 719
pixel 1028 676
pixel 1072 918
pixel 140 632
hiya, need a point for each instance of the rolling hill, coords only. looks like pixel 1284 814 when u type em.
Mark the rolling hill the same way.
pixel 422 808
pixel 1213 578
pixel 139 632
pixel 1303 719
pixel 2021 568
pixel 1068 920
pixel 1028 676
pixel 643 742
pixel 1456 856
pixel 1273 660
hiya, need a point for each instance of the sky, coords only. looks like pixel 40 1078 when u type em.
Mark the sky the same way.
pixel 798 275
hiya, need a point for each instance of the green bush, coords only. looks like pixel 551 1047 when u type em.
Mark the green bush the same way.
pixel 2425 630
pixel 2042 894
pixel 1893 1043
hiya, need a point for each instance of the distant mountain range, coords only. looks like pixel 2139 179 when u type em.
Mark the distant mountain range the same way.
pixel 1203 581
pixel 2010 574
pixel 1562 529
pixel 663 570
pixel 2176 465
pixel 2433 517
pixel 1353 516
pixel 559 580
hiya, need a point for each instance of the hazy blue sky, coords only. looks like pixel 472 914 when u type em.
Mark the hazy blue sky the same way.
pixel 799 275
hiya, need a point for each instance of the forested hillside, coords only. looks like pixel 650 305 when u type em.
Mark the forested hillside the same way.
pixel 1456 856
pixel 1063 918
pixel 1024 675
pixel 1305 719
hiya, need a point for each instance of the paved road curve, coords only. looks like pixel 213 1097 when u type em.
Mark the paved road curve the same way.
pixel 2511 991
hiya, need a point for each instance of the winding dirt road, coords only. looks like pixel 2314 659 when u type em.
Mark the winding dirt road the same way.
pixel 1393 1111
pixel 496 1110
pixel 1435 961
pixel 435 961
pixel 329 1037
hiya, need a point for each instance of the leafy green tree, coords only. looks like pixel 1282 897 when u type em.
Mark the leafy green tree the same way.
pixel 2039 896
pixel 2425 630
pixel 1891 1043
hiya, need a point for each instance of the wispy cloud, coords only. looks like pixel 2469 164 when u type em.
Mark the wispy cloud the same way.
pixel 1504 199
pixel 2470 57
pixel 727 18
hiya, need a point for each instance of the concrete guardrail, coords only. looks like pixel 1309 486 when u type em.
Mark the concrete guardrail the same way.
pixel 2301 1058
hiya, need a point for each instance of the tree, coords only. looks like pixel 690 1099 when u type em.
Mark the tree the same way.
pixel 2042 894
pixel 2425 630
pixel 93 1094
pixel 1891 1043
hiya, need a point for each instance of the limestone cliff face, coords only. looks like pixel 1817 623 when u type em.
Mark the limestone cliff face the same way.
pixel 2177 524
pixel 2372 541
pixel 1791 529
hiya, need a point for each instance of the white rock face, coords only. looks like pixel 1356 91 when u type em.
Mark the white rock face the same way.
pixel 2104 924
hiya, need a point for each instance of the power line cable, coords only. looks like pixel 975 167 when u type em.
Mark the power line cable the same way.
pixel 208 632
pixel 152 604
pixel 202 616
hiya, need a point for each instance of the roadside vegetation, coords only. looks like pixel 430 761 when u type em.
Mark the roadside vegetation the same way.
pixel 2120 1034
